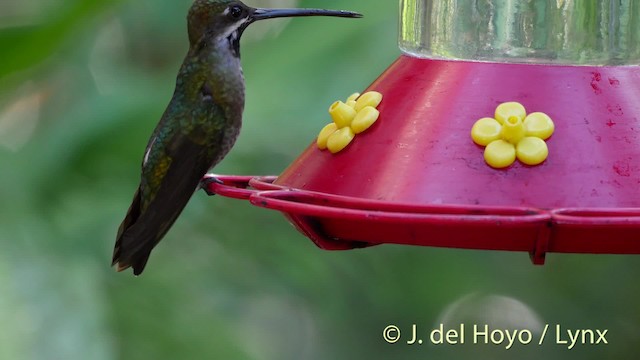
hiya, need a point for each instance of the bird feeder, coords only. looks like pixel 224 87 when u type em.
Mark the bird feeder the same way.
pixel 417 177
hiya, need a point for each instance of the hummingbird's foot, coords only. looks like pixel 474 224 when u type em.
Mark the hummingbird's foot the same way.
pixel 208 179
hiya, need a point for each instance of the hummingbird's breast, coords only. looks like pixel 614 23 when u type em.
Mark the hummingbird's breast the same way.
pixel 214 105
pixel 224 79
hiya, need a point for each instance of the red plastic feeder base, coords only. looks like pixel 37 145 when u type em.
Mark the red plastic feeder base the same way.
pixel 416 177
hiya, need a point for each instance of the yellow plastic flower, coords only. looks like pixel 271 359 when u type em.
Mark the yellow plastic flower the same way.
pixel 512 134
pixel 350 118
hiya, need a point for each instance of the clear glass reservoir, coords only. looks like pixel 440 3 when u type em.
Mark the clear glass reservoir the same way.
pixel 578 32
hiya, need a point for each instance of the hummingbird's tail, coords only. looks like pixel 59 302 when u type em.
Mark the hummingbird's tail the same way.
pixel 141 231
pixel 135 241
pixel 122 258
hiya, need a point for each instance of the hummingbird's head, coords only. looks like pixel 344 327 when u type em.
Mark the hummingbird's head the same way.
pixel 227 19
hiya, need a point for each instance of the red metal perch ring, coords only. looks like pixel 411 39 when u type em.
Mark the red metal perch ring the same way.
pixel 340 222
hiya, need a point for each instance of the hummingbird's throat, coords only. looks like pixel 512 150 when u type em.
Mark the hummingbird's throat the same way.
pixel 234 42
pixel 233 34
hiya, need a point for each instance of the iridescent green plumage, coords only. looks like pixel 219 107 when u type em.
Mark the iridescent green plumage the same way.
pixel 199 126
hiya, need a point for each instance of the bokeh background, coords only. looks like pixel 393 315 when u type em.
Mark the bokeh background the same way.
pixel 82 85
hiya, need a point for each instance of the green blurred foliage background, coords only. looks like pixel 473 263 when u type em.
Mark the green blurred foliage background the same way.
pixel 83 83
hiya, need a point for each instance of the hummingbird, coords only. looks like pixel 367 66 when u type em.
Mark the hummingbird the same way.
pixel 199 126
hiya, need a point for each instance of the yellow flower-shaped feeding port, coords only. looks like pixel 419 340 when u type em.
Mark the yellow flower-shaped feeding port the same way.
pixel 351 117
pixel 512 134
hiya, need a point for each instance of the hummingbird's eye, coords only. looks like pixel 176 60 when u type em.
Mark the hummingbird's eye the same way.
pixel 235 12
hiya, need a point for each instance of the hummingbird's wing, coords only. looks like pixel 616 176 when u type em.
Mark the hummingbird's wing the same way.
pixel 168 182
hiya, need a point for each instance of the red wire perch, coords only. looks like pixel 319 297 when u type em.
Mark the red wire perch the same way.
pixel 336 222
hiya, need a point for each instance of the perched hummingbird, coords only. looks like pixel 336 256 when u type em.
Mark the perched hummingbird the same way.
pixel 199 126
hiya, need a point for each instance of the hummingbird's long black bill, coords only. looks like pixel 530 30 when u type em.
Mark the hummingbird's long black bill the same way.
pixel 261 14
